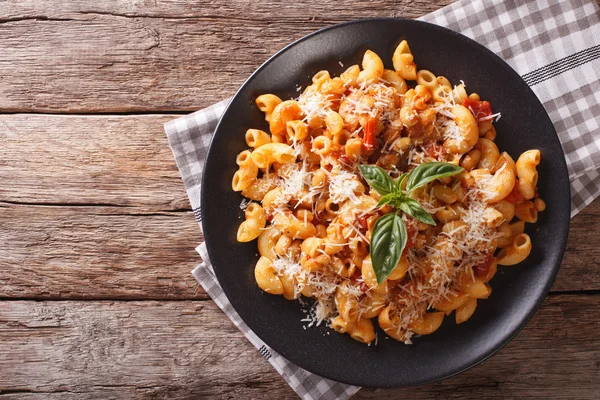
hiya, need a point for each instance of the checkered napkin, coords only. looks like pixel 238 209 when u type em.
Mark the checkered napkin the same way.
pixel 553 45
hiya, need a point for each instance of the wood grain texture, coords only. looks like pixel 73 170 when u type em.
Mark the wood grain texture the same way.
pixel 121 161
pixel 154 56
pixel 97 252
pixel 188 349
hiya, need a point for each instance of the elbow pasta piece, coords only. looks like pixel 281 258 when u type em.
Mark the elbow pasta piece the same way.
pixel 451 303
pixel 539 204
pixel 339 324
pixel 428 324
pixel 403 61
pixel 464 312
pixel 506 208
pixel 400 270
pixel 334 123
pixel 347 305
pixel 255 222
pixel 267 103
pixel 244 159
pixel 372 68
pixel 341 138
pixel 484 127
pixel 428 79
pixel 362 330
pixel 322 145
pixel 496 187
pixel 492 217
pixel 244 177
pixel 489 153
pixel 506 238
pixel 283 112
pixel 526 212
pixel 266 276
pixel 289 287
pixel 271 153
pixel 467 129
pixel 350 76
pixel 296 130
pixel 320 78
pixel 259 188
pixel 256 138
pixel 444 194
pixel 283 244
pixel 443 81
pixel 333 86
pixel 368 273
pixel 395 80
pixel 517 228
pixel 441 94
pixel 520 249
pixel 526 171
pixel 476 289
pixel 448 214
pixel 459 93
pixel 267 241
pixel 294 228
pixel 505 158
pixel 470 160
pixel 390 325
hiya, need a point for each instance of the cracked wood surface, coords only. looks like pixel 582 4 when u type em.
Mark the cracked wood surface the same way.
pixel 188 349
pixel 92 208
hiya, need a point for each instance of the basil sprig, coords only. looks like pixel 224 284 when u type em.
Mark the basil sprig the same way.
pixel 389 236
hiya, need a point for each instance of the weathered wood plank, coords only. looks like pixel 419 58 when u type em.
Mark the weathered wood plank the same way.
pixel 138 56
pixel 97 252
pixel 188 349
pixel 111 160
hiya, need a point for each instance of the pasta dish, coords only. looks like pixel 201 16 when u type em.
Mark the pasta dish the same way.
pixel 381 195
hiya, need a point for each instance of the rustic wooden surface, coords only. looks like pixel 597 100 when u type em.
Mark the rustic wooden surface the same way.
pixel 97 238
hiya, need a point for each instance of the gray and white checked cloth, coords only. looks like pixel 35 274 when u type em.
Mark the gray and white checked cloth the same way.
pixel 553 45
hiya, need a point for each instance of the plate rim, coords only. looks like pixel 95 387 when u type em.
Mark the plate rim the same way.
pixel 554 136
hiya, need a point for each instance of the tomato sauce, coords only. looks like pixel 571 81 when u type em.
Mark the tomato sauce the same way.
pixel 480 109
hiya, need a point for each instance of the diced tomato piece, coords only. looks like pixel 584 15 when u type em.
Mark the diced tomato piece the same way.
pixel 369 139
pixel 482 269
pixel 362 222
pixel 336 154
pixel 344 159
pixel 480 109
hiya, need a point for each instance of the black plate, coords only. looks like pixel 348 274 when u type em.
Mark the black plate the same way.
pixel 517 291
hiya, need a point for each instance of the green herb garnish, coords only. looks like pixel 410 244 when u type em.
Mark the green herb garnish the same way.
pixel 389 236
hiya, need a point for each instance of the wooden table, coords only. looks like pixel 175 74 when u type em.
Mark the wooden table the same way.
pixel 97 237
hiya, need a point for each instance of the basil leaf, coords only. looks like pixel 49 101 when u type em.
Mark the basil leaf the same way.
pixel 400 182
pixel 378 179
pixel 415 210
pixel 428 172
pixel 388 240
pixel 386 199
